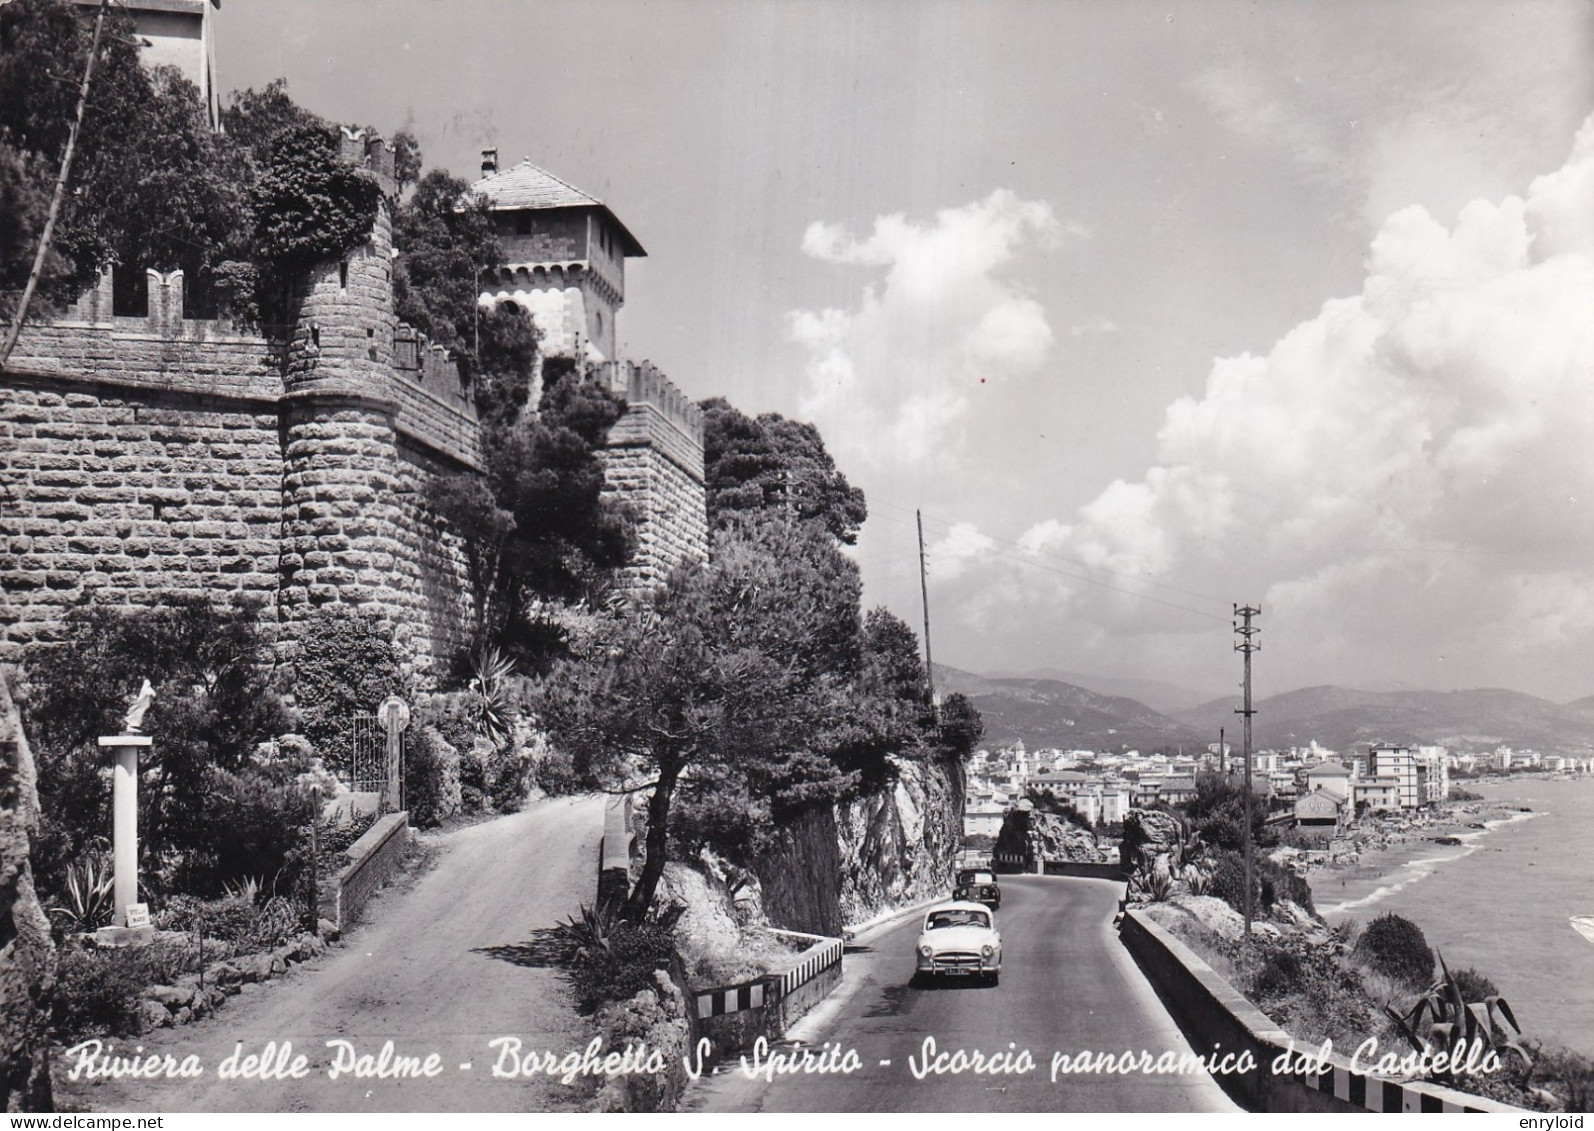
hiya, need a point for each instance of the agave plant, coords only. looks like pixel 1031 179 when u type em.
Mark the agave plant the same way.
pixel 489 694
pixel 246 890
pixel 1197 879
pixel 1452 1020
pixel 1159 886
pixel 89 897
pixel 589 931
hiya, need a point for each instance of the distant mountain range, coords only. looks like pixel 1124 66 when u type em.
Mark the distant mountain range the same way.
pixel 1048 712
pixel 1165 697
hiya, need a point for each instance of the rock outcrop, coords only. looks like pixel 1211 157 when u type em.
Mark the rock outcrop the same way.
pixel 843 864
pixel 1042 837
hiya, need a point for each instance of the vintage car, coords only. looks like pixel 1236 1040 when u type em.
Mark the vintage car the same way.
pixel 960 940
pixel 969 879
pixel 988 894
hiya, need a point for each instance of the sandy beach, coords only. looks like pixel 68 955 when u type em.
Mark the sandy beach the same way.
pixel 1512 899
pixel 1388 854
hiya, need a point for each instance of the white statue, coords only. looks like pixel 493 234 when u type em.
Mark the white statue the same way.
pixel 135 713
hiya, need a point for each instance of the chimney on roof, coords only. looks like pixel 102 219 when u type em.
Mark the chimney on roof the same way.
pixel 489 162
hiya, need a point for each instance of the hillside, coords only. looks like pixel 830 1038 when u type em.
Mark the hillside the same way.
pixel 1159 696
pixel 1049 713
pixel 1339 717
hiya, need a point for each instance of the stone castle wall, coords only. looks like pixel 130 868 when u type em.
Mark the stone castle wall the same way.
pixel 146 457
pixel 654 461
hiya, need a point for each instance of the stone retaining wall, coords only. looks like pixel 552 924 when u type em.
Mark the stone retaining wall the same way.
pixel 372 860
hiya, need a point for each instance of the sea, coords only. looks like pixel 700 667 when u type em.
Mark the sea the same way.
pixel 1515 901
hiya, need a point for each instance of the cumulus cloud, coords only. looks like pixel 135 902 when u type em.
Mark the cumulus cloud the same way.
pixel 963 546
pixel 1407 472
pixel 890 378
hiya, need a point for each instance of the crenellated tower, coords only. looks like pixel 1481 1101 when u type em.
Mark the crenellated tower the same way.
pixel 350 497
pixel 565 257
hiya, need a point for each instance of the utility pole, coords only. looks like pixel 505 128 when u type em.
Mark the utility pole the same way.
pixel 1245 630
pixel 60 192
pixel 924 594
pixel 1223 755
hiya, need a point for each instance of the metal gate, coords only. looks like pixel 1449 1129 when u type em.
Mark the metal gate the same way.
pixel 368 762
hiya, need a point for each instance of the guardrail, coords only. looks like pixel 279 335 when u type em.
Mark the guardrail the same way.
pixel 1212 1013
pixel 735 1016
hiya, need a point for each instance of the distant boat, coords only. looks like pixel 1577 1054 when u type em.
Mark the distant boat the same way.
pixel 1584 925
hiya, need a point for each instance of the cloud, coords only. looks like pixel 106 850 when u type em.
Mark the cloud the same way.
pixel 1417 107
pixel 1404 480
pixel 890 379
pixel 963 546
pixel 1094 328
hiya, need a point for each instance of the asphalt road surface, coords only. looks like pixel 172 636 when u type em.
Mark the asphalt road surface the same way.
pixel 1067 986
pixel 448 963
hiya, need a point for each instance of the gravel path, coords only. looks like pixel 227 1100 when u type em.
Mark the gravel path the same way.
pixel 447 963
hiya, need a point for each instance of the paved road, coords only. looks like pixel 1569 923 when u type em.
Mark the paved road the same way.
pixel 446 964
pixel 1067 985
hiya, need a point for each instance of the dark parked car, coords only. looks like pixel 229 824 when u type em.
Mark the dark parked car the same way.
pixel 988 894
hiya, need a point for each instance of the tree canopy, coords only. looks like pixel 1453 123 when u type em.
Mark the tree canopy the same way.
pixel 770 463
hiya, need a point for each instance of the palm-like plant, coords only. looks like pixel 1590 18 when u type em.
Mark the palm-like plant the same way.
pixel 88 899
pixel 1452 1020
pixel 589 931
pixel 489 694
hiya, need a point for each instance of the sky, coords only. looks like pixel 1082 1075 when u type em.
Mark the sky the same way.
pixel 1149 308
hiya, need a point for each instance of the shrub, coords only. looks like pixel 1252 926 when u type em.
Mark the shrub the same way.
pixel 97 991
pixel 1475 986
pixel 346 664
pixel 1270 882
pixel 215 702
pixel 431 777
pixel 620 964
pixel 1395 946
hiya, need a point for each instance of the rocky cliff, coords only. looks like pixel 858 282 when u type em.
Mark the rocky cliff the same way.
pixel 1040 836
pixel 846 863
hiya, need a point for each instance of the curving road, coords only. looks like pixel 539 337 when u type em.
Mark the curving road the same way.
pixel 1067 985
pixel 448 962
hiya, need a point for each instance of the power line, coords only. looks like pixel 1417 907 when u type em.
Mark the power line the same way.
pixel 946 525
pixel 1033 564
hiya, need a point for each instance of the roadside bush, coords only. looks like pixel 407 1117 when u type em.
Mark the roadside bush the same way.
pixel 1270 882
pixel 97 991
pixel 623 964
pixel 1396 947
pixel 1301 986
pixel 431 777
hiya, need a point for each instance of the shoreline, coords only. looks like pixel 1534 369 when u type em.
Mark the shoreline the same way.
pixel 1395 852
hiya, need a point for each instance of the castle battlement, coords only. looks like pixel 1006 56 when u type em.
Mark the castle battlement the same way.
pixel 143 457
pixel 368 150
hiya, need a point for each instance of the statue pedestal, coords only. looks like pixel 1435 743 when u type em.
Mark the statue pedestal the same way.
pixel 124 821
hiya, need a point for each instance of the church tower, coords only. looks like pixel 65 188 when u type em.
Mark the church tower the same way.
pixel 565 257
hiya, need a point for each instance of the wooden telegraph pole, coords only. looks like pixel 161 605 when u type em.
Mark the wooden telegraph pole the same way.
pixel 924 594
pixel 1245 630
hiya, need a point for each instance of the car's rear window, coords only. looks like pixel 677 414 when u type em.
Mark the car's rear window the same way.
pixel 956 918
pixel 973 877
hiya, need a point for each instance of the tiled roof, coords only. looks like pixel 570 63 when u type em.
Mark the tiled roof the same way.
pixel 525 186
